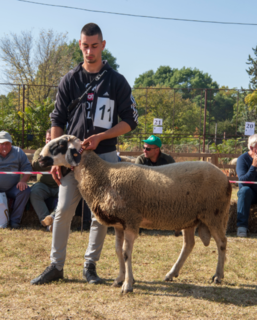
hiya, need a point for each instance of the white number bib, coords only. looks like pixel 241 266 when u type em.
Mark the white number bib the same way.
pixel 104 113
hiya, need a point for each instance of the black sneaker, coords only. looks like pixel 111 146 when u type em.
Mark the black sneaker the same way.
pixel 90 275
pixel 50 274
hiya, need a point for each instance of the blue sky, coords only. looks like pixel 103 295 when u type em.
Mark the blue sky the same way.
pixel 141 44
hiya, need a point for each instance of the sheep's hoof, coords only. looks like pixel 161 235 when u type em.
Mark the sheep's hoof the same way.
pixel 126 288
pixel 216 280
pixel 168 278
pixel 126 291
pixel 117 284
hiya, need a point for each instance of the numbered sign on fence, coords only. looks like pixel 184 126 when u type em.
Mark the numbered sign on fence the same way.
pixel 157 129
pixel 157 122
pixel 249 128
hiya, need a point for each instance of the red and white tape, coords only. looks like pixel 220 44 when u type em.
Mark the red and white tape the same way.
pixel 248 182
pixel 24 172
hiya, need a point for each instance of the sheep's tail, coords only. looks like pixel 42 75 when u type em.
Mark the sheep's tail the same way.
pixel 204 234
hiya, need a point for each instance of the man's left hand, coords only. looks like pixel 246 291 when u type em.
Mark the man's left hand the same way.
pixel 21 186
pixel 91 143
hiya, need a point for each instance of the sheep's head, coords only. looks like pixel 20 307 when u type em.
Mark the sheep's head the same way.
pixel 62 151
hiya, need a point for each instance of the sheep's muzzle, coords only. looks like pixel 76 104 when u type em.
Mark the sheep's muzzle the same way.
pixel 45 161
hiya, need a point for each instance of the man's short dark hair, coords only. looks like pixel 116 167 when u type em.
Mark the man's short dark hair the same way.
pixel 48 131
pixel 91 29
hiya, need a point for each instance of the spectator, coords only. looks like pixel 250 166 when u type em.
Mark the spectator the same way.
pixel 246 169
pixel 152 155
pixel 14 159
pixel 45 188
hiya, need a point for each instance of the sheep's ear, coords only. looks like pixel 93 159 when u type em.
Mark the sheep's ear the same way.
pixel 72 157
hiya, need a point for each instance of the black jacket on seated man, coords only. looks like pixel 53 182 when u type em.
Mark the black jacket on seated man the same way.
pixel 162 160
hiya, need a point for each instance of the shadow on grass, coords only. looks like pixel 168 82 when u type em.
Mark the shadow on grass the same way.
pixel 241 296
pixel 244 295
pixel 106 282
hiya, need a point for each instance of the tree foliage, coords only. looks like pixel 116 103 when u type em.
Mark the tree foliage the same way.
pixel 185 78
pixel 39 62
pixel 252 70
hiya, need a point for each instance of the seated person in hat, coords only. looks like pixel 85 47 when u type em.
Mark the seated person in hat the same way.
pixel 44 189
pixel 152 155
pixel 14 159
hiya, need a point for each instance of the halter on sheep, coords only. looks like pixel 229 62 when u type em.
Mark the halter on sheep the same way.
pixel 180 196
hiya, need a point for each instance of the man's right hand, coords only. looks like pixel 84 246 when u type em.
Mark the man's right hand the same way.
pixel 254 160
pixel 56 174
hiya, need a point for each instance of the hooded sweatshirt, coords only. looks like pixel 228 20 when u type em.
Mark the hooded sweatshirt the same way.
pixel 111 97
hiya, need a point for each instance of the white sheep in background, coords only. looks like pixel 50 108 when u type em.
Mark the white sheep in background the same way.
pixel 232 172
pixel 179 196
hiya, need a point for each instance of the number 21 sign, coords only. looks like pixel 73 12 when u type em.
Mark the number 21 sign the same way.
pixel 157 122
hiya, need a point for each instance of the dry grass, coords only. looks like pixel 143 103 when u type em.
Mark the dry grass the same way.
pixel 25 253
pixel 234 192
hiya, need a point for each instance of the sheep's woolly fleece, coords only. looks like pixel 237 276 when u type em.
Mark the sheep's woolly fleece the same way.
pixel 171 197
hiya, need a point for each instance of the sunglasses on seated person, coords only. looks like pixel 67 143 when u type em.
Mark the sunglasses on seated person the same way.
pixel 148 149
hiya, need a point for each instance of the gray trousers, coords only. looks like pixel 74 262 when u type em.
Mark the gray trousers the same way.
pixel 69 197
pixel 39 193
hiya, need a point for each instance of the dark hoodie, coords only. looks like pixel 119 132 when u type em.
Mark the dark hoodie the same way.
pixel 111 98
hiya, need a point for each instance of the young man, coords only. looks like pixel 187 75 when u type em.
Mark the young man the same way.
pixel 45 188
pixel 14 159
pixel 94 120
pixel 152 155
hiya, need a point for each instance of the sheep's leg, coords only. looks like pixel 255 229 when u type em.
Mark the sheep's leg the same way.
pixel 188 244
pixel 221 241
pixel 118 246
pixel 129 238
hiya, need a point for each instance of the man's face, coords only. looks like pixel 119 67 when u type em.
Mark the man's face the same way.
pixel 91 47
pixel 5 148
pixel 150 150
pixel 48 137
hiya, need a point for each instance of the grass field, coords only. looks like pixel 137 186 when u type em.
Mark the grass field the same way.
pixel 25 253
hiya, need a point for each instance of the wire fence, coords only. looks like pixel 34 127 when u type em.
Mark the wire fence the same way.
pixel 194 120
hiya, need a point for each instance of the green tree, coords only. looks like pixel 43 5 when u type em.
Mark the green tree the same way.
pixel 40 62
pixel 252 70
pixel 179 118
pixel 222 106
pixel 77 55
pixel 185 78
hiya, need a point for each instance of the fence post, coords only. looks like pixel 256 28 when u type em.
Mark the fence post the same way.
pixel 146 108
pixel 204 121
pixel 23 112
pixel 214 159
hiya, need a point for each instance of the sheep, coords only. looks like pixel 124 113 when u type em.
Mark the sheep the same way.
pixel 127 159
pixel 232 172
pixel 179 196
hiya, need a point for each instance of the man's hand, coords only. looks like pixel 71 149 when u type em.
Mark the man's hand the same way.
pixel 92 142
pixel 56 174
pixel 21 186
pixel 254 160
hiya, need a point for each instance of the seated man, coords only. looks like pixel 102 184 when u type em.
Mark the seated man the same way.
pixel 43 189
pixel 14 159
pixel 152 155
pixel 246 169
